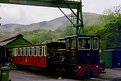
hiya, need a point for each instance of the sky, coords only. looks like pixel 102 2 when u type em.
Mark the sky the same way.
pixel 22 14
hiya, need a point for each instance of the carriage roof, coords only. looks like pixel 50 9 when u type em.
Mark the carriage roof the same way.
pixel 33 45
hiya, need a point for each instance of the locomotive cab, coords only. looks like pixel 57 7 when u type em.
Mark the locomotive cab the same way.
pixel 82 54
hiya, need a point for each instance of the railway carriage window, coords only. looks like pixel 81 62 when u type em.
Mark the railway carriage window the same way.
pixel 24 51
pixel 73 43
pixel 84 43
pixel 44 50
pixel 95 43
pixel 39 51
pixel 16 52
pixel 28 51
pixel 20 51
pixel 41 54
pixel 33 51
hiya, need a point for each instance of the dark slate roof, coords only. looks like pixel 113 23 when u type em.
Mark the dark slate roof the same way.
pixel 9 40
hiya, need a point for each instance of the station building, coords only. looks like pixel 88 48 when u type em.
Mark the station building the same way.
pixel 112 57
pixel 7 45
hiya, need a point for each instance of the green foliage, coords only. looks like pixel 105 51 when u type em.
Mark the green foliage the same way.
pixel 112 33
pixel 93 29
pixel 110 14
pixel 38 36
pixel 69 30
pixel 109 28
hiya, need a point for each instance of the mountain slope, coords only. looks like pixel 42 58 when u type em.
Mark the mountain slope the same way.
pixel 58 23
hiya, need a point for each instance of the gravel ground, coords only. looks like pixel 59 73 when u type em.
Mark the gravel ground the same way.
pixel 111 74
pixel 17 75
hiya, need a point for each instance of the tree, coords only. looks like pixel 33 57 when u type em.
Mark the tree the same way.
pixel 39 36
pixel 109 28
pixel 68 31
pixel 93 29
pixel 110 14
pixel 111 33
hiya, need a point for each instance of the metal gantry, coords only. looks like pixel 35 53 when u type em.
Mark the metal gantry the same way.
pixel 70 4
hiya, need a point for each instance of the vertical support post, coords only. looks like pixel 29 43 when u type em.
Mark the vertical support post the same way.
pixel 79 28
pixel 77 22
pixel 81 16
